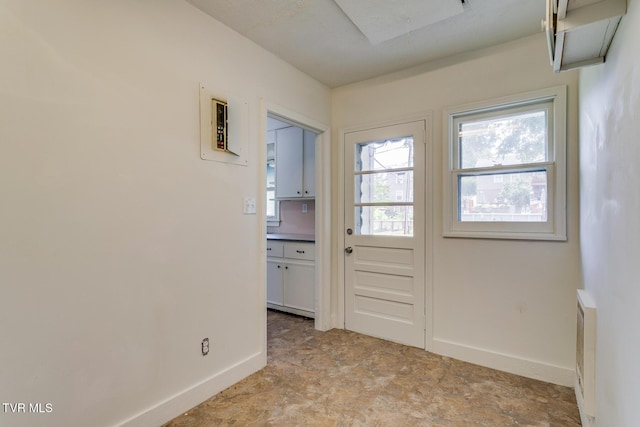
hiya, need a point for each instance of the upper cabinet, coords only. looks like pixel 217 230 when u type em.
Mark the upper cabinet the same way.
pixel 309 164
pixel 295 163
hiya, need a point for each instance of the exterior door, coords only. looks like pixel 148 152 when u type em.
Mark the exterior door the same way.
pixel 384 235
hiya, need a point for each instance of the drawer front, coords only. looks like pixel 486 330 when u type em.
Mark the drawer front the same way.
pixel 275 248
pixel 298 250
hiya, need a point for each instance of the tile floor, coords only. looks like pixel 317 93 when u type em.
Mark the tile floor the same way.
pixel 341 378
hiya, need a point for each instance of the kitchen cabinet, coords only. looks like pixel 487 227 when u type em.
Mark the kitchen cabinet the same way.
pixel 295 163
pixel 274 282
pixel 291 277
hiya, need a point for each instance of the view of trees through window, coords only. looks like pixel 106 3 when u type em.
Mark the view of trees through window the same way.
pixel 497 157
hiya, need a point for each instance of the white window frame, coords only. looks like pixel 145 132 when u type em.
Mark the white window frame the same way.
pixel 554 228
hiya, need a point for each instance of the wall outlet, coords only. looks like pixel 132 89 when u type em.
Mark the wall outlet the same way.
pixel 205 346
pixel 304 208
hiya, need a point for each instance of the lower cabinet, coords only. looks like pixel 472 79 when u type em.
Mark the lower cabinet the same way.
pixel 274 281
pixel 291 277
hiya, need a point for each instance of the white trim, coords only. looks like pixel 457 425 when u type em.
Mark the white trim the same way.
pixel 196 394
pixel 340 229
pixel 323 319
pixel 555 227
pixel 429 238
pixel 505 362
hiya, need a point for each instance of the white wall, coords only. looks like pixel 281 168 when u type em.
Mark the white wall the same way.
pixel 120 249
pixel 500 303
pixel 610 229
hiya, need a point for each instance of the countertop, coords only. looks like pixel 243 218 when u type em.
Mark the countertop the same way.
pixel 292 237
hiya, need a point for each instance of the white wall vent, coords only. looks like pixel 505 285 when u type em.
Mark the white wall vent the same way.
pixel 579 32
pixel 586 354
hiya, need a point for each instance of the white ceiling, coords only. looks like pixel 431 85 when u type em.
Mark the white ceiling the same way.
pixel 318 38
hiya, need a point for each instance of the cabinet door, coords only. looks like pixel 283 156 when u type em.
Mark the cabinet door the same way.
pixel 309 164
pixel 274 281
pixel 299 286
pixel 289 163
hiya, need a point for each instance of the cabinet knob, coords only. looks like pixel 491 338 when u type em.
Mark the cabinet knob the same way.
pixel 286 267
pixel 299 251
pixel 348 250
pixel 278 266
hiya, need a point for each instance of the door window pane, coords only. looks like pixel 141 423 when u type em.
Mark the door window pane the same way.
pixel 383 184
pixel 383 155
pixel 384 220
pixel 383 187
pixel 271 174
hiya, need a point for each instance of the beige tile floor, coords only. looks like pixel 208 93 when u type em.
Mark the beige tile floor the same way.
pixel 341 378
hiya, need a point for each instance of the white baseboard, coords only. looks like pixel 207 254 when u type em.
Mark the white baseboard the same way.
pixel 187 399
pixel 504 362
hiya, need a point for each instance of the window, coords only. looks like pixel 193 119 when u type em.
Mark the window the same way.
pixel 505 174
pixel 379 210
pixel 273 206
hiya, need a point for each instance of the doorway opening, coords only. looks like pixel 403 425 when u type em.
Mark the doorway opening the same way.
pixel 297 228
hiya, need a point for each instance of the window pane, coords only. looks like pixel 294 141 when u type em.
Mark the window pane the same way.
pixel 382 187
pixel 503 140
pixel 271 174
pixel 271 203
pixel 508 197
pixel 384 220
pixel 381 155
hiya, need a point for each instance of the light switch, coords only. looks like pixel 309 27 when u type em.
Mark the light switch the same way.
pixel 304 208
pixel 249 205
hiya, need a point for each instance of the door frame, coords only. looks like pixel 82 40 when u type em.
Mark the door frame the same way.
pixel 323 321
pixel 427 117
